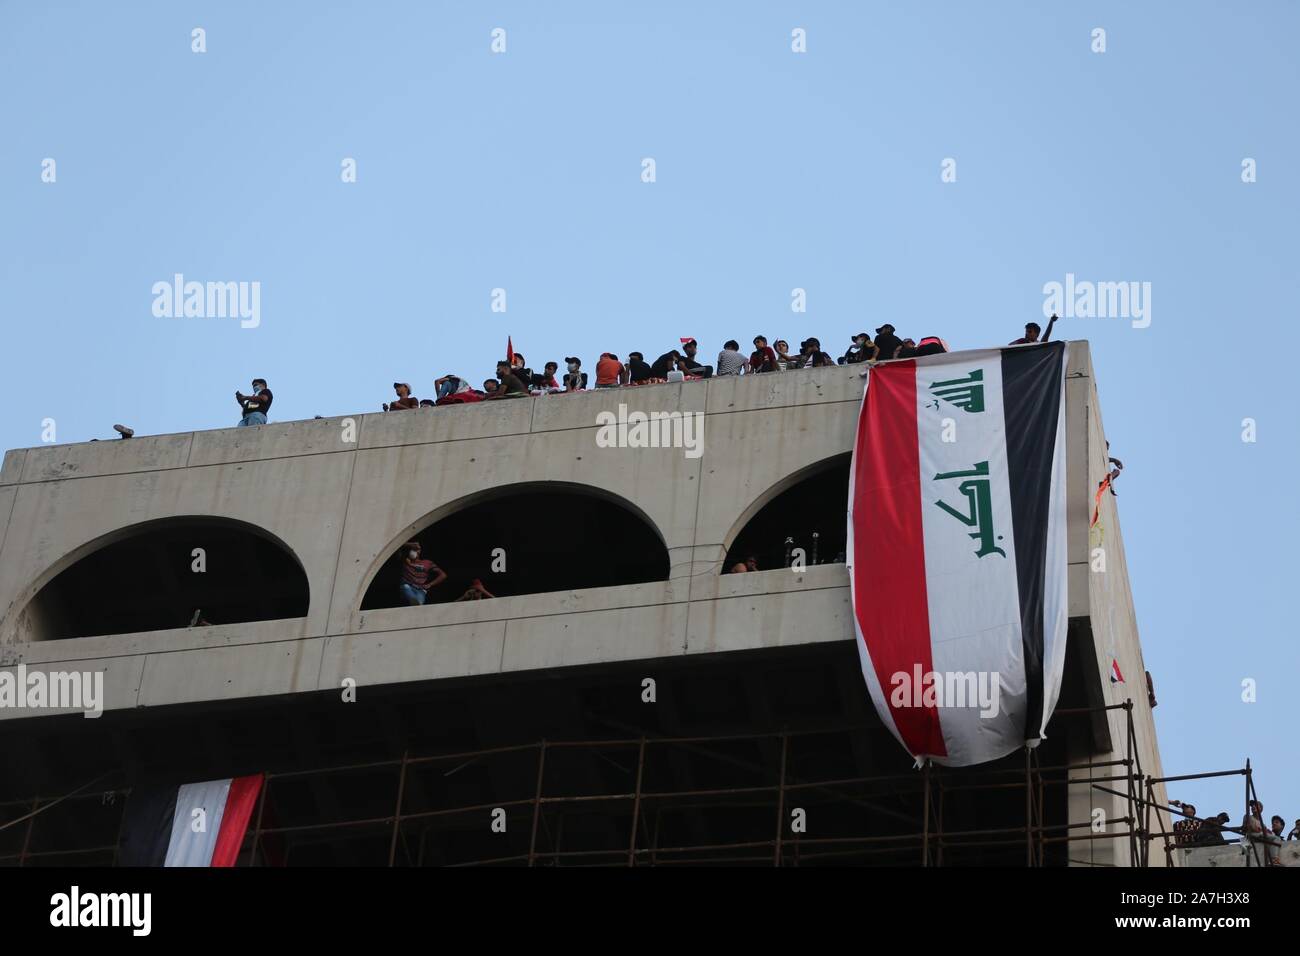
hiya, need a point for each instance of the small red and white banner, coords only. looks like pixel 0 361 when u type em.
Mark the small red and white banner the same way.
pixel 195 824
pixel 957 548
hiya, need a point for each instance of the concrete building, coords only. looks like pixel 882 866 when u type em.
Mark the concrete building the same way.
pixel 617 660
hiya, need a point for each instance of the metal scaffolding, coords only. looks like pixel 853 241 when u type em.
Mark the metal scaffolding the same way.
pixel 927 837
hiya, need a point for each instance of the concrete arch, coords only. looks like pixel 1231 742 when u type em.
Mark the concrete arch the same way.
pixel 487 495
pixel 22 606
pixel 784 484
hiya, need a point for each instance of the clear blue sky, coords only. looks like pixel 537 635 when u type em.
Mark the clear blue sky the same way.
pixel 775 170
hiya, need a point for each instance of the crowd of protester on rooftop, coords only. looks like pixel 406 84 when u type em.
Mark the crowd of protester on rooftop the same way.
pixel 514 378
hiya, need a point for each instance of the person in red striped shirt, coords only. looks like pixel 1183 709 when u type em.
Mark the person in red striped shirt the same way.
pixel 419 575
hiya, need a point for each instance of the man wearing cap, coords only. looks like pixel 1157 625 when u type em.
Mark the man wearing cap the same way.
pixel 861 350
pixel 256 405
pixel 575 378
pixel 689 365
pixel 887 343
pixel 416 573
pixel 814 357
pixel 404 398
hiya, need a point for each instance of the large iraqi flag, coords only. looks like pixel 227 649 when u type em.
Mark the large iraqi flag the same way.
pixel 194 824
pixel 957 548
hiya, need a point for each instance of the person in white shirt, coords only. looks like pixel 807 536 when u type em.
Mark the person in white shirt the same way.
pixel 730 361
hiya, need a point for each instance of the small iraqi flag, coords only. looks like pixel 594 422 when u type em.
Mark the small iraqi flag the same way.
pixel 194 824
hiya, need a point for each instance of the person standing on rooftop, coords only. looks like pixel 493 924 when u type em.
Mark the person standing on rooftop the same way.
pixel 1031 333
pixel 887 343
pixel 256 405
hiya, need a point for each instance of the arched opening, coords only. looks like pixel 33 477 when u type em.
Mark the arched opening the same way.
pixel 530 539
pixel 170 574
pixel 811 514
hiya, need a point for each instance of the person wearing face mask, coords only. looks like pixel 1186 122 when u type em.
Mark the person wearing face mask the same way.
pixel 256 405
pixel 419 575
pixel 575 379
pixel 862 350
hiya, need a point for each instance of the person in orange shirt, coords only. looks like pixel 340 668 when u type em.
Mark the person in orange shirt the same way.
pixel 610 372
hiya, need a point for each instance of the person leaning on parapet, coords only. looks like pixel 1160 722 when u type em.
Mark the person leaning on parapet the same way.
pixel 666 363
pixel 476 592
pixel 784 360
pixel 256 405
pixel 1211 830
pixel 1252 828
pixel 638 369
pixel 1295 832
pixel 730 361
pixel 546 381
pixel 519 368
pixel 510 386
pixel 610 372
pixel 930 345
pixel 575 379
pixel 1187 829
pixel 887 343
pixel 814 357
pixel 862 350
pixel 416 573
pixel 763 358
pixel 691 366
pixel 405 399
pixel 1032 330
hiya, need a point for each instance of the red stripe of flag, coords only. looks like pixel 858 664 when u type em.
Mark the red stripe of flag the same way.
pixel 889 548
pixel 234 821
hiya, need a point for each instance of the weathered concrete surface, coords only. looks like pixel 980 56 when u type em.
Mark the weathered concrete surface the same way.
pixel 1235 855
pixel 342 493
pixel 1097 558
